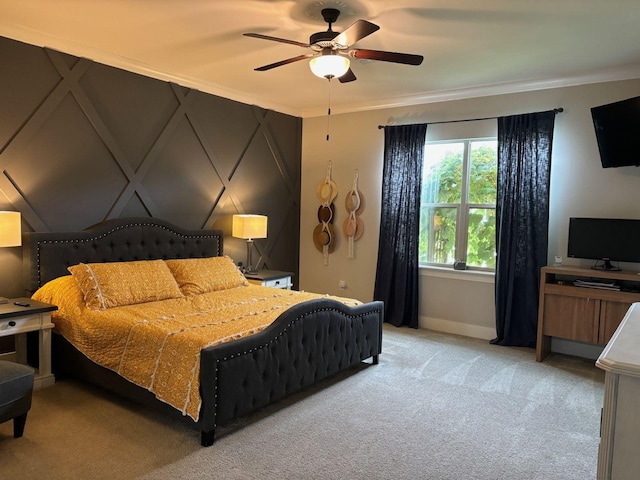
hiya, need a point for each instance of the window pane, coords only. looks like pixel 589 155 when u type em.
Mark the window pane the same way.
pixel 483 172
pixel 442 173
pixel 437 235
pixel 481 246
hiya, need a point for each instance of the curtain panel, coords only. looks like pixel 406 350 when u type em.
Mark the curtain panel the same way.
pixel 522 215
pixel 397 276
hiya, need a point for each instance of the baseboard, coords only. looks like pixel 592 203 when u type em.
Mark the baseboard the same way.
pixel 457 328
pixel 576 349
pixel 558 345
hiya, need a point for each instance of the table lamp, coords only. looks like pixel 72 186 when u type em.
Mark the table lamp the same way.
pixel 10 233
pixel 249 227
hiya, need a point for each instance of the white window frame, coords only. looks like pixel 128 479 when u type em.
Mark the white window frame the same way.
pixel 462 209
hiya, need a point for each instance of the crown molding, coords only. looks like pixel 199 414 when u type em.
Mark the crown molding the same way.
pixel 44 40
pixel 609 75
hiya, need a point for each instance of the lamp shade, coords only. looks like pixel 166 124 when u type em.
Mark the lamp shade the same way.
pixel 329 66
pixel 10 229
pixel 249 226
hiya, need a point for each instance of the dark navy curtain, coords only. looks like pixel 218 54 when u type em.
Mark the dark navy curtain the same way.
pixel 397 270
pixel 522 215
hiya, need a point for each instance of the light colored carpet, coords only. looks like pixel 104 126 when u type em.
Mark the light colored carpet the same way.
pixel 436 407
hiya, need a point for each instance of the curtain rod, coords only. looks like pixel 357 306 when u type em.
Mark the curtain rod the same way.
pixel 556 110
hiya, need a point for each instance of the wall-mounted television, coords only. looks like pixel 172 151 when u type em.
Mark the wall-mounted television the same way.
pixel 617 127
pixel 604 240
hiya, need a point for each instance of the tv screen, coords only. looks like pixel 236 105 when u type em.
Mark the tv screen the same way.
pixel 617 127
pixel 606 239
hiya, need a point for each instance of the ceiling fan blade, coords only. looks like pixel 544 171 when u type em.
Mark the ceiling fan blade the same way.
pixel 347 77
pixel 283 62
pixel 356 31
pixel 276 39
pixel 406 58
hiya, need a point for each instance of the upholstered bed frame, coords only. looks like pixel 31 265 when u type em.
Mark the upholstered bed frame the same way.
pixel 306 344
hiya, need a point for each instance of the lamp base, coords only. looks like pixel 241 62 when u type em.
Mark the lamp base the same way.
pixel 249 268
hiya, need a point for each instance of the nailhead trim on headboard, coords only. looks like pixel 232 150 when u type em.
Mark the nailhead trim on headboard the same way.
pixel 48 255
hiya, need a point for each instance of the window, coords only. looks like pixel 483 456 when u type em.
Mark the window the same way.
pixel 458 204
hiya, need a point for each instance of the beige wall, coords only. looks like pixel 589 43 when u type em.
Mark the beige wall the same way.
pixel 459 302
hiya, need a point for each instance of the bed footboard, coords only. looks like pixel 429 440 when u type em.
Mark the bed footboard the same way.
pixel 308 343
pixel 305 345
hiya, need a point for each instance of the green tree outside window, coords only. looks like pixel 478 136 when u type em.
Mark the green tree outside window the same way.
pixel 457 218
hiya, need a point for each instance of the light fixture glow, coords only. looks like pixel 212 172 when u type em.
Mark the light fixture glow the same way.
pixel 249 227
pixel 10 229
pixel 329 66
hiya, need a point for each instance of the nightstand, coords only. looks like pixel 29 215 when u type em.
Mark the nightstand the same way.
pixel 36 317
pixel 271 278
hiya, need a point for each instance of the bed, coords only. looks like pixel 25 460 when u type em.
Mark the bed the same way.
pixel 305 344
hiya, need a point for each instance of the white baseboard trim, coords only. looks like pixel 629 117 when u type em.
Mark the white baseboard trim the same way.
pixel 457 328
pixel 576 349
pixel 558 345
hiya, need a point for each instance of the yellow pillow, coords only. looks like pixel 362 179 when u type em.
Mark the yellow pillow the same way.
pixel 106 285
pixel 62 292
pixel 203 275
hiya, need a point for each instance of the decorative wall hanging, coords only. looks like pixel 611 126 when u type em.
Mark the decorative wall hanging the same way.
pixel 323 234
pixel 353 226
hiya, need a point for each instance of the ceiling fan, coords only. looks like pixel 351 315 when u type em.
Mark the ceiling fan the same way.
pixel 331 50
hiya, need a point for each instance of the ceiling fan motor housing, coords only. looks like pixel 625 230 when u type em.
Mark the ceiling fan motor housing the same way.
pixel 321 40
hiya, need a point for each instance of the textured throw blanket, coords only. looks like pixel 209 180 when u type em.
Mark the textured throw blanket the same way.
pixel 157 345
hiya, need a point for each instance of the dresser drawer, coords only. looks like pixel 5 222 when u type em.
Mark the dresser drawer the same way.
pixel 28 323
pixel 271 278
pixel 284 282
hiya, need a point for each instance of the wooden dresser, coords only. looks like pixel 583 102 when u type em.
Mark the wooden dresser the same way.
pixel 581 314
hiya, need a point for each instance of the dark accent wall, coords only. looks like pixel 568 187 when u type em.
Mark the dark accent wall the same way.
pixel 82 142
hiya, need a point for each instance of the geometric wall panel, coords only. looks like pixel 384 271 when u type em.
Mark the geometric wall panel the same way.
pixel 81 142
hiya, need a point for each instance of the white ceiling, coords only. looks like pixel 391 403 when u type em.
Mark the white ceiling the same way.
pixel 470 47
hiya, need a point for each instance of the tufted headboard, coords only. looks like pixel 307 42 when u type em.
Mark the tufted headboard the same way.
pixel 48 254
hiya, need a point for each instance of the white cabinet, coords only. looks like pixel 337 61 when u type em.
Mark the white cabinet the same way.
pixel 22 315
pixel 271 278
pixel 618 457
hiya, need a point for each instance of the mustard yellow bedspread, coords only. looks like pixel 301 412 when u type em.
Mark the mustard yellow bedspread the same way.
pixel 157 345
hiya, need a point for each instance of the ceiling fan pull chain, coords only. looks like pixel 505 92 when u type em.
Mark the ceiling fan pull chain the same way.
pixel 329 109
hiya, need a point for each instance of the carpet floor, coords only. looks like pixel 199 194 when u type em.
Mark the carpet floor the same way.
pixel 437 406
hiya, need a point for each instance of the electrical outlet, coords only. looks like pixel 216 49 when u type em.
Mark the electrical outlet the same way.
pixel 342 285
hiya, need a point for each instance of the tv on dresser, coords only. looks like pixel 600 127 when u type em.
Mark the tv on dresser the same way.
pixel 605 240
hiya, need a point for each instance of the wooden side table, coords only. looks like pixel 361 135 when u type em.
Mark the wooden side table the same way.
pixel 271 278
pixel 30 316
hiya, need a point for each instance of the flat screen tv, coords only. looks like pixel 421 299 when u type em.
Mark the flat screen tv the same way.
pixel 617 127
pixel 604 240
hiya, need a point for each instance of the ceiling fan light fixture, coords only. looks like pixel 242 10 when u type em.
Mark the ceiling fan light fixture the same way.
pixel 330 51
pixel 329 66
